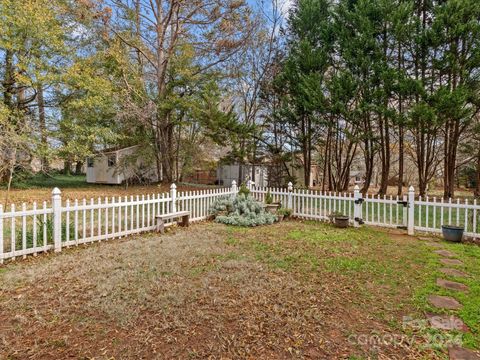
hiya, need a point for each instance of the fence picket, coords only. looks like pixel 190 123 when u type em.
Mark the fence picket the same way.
pixel 44 226
pixel 107 232
pixel 12 234
pixel 466 215
pixel 67 222
pixel 99 218
pixel 113 216
pixel 24 229
pixel 34 229
pixel 135 214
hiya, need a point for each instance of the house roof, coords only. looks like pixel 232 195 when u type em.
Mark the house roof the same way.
pixel 115 149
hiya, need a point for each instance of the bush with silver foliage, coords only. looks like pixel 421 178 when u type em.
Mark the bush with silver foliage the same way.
pixel 241 211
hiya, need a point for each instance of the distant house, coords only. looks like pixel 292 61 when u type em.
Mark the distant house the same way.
pixel 242 173
pixel 115 166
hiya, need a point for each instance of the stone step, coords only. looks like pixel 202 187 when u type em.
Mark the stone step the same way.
pixel 451 262
pixel 434 244
pixel 426 238
pixel 445 253
pixel 444 302
pixel 452 285
pixel 446 322
pixel 458 353
pixel 453 272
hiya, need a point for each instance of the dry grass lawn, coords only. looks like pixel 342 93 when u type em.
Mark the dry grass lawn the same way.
pixel 87 191
pixel 290 290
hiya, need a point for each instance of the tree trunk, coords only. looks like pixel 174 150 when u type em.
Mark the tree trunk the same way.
pixel 477 185
pixel 452 135
pixel 8 81
pixel 400 128
pixel 326 159
pixel 67 167
pixel 400 160
pixel 385 156
pixel 78 167
pixel 369 154
pixel 43 128
pixel 385 131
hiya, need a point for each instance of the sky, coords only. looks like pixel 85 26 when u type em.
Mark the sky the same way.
pixel 285 5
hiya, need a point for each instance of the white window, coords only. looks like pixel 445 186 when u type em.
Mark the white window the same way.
pixel 112 160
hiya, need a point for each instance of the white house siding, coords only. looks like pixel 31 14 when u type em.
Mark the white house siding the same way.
pixel 227 173
pixel 102 173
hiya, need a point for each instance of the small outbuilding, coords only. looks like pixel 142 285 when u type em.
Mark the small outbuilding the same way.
pixel 242 173
pixel 116 166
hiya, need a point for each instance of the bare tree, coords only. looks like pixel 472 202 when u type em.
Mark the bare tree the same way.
pixel 211 32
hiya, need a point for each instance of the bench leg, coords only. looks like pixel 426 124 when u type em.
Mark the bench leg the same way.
pixel 185 221
pixel 160 226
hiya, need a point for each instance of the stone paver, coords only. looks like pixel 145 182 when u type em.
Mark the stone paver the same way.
pixel 451 262
pixel 434 244
pixel 446 322
pixel 452 285
pixel 444 302
pixel 445 253
pixel 458 353
pixel 424 238
pixel 453 272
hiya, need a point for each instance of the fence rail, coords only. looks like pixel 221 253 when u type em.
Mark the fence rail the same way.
pixel 57 224
pixel 425 215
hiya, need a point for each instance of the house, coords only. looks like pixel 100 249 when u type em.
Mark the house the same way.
pixel 116 166
pixel 241 173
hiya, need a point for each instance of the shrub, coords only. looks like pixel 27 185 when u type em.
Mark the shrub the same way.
pixel 244 190
pixel 244 211
pixel 268 198
pixel 223 205
pixel 40 238
pixel 285 212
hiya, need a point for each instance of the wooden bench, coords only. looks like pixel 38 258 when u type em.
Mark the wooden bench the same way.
pixel 160 219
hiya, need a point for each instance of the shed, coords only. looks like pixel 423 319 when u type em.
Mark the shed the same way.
pixel 242 173
pixel 115 166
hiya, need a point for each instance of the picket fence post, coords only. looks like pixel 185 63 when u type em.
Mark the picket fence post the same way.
pixel 411 211
pixel 234 189
pixel 173 196
pixel 357 206
pixel 57 219
pixel 290 190
pixel 249 184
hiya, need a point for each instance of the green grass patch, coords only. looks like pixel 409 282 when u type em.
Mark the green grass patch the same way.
pixel 345 264
pixel 470 312
pixel 398 271
pixel 38 181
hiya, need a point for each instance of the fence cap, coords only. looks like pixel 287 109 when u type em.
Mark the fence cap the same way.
pixel 56 191
pixel 234 183
pixel 411 189
pixel 356 188
pixel 173 186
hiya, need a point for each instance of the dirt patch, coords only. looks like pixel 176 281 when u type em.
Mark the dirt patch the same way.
pixel 211 291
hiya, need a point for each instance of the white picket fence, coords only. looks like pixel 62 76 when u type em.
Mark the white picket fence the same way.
pixel 56 225
pixel 62 224
pixel 408 212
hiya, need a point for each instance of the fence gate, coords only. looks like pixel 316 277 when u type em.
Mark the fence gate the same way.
pixel 387 211
pixel 384 211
